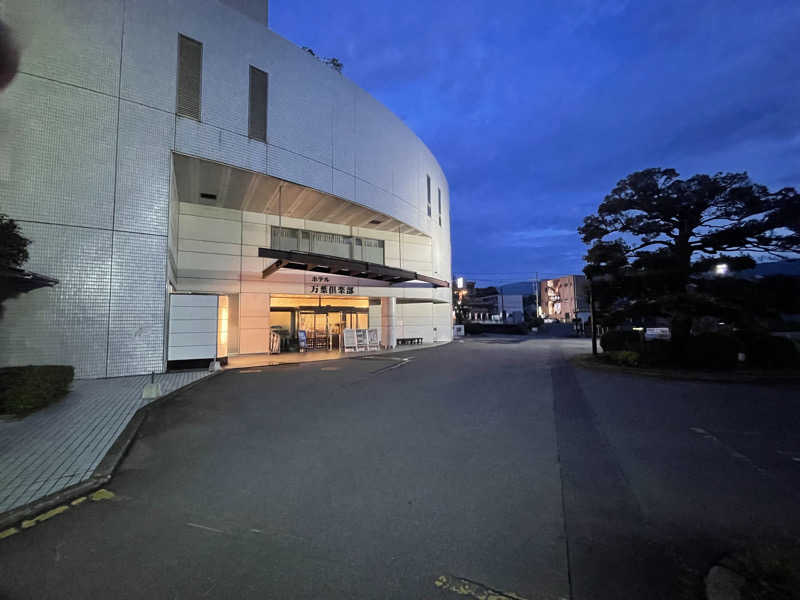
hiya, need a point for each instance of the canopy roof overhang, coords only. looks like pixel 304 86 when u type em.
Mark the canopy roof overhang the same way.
pixel 322 263
pixel 201 181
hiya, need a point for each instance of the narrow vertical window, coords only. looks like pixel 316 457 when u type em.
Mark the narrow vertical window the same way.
pixel 257 122
pixel 439 190
pixel 429 195
pixel 190 77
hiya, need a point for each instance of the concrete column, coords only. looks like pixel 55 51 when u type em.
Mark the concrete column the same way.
pixel 253 323
pixel 388 322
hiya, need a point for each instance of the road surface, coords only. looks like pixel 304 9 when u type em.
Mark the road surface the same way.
pixel 487 466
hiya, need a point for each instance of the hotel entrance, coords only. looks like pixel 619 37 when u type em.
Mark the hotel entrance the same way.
pixel 309 323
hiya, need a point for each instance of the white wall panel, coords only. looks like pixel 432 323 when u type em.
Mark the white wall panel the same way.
pixel 66 324
pixel 344 185
pixel 300 85
pixel 210 230
pixel 300 169
pixel 206 141
pixel 192 326
pixel 73 42
pixel 143 169
pixel 60 144
pixel 138 290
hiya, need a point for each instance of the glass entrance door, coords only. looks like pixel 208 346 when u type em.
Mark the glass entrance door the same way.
pixel 356 320
pixel 316 327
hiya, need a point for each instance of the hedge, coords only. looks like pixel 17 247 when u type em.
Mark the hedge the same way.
pixel 625 358
pixel 657 353
pixel 25 389
pixel 712 351
pixel 616 340
pixel 768 351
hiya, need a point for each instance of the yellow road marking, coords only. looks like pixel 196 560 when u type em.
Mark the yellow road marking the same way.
pixel 464 587
pixel 44 516
pixel 101 494
pixel 51 513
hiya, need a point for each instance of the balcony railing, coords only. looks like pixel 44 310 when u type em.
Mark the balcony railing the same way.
pixel 330 244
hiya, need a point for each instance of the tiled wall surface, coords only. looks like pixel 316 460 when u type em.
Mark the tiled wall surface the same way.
pixel 88 126
pixel 67 323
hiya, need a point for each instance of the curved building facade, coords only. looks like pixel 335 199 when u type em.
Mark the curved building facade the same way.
pixel 202 187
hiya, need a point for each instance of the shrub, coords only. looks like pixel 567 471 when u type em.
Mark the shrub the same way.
pixel 769 351
pixel 712 351
pixel 616 340
pixel 25 389
pixel 625 358
pixel 657 353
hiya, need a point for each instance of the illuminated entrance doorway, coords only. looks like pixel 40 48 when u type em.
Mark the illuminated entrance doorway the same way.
pixel 321 320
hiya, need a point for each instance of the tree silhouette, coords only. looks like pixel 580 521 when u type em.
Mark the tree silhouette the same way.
pixel 656 239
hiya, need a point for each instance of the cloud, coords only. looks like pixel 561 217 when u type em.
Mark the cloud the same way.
pixel 535 110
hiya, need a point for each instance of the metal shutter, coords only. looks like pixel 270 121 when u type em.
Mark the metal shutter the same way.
pixel 190 77
pixel 257 125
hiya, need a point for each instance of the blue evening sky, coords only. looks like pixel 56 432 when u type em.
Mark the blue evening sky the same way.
pixel 536 109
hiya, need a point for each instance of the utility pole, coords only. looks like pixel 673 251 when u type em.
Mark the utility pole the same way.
pixel 591 316
pixel 536 292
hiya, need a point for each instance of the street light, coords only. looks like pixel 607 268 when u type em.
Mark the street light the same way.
pixel 721 269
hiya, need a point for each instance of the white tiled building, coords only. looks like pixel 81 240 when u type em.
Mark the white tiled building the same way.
pixel 156 148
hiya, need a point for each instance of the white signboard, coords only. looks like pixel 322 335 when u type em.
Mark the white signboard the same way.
pixel 361 339
pixel 372 339
pixel 349 336
pixel 657 333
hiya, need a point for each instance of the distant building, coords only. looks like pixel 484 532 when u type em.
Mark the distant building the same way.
pixel 508 303
pixel 564 298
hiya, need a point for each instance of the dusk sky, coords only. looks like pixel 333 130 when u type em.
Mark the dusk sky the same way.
pixel 536 109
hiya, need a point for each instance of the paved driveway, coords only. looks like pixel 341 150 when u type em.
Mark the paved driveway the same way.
pixel 484 467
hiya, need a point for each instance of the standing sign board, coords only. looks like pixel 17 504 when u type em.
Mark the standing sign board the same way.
pixel 372 339
pixel 361 339
pixel 349 336
pixel 301 338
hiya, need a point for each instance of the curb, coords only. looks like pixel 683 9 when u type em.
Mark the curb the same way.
pixel 105 469
pixel 353 356
pixel 585 361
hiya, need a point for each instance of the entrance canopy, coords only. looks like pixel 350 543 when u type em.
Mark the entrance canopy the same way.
pixel 322 263
pixel 201 181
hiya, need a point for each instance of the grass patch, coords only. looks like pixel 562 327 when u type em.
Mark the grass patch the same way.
pixel 26 389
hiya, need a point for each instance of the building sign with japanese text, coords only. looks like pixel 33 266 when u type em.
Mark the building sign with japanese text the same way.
pixel 322 285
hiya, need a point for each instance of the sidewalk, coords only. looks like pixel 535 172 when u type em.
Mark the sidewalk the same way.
pixel 62 444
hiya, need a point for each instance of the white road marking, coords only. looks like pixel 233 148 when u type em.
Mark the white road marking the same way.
pixel 204 527
pixel 731 451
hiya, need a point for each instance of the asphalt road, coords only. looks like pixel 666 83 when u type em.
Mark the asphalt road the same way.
pixel 489 466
